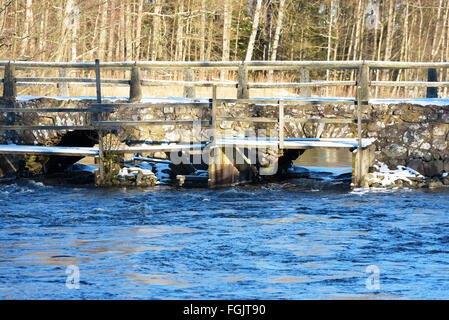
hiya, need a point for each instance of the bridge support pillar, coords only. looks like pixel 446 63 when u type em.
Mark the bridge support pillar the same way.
pixel 224 168
pixel 359 171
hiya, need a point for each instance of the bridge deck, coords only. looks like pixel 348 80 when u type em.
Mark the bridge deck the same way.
pixel 294 143
pixel 289 143
pixel 50 151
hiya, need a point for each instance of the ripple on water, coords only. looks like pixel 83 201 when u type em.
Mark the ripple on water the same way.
pixel 274 241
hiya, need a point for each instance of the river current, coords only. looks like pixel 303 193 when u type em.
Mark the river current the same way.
pixel 273 241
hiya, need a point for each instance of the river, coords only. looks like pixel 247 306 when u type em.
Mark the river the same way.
pixel 272 241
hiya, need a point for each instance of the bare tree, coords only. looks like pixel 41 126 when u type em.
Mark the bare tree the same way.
pixel 252 39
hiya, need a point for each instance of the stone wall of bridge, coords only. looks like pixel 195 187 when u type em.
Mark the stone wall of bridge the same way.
pixel 406 134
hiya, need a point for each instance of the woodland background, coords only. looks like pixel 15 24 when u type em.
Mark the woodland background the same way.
pixel 213 30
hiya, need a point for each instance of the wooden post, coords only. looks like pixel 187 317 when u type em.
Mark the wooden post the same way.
pixel 432 76
pixel 281 124
pixel 214 113
pixel 63 87
pixel 97 117
pixel 304 76
pixel 242 88
pixel 9 82
pixel 189 92
pixel 135 86
pixel 359 134
pixel 361 162
pixel 98 79
pixel 363 82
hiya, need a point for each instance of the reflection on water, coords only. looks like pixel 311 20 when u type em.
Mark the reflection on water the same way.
pixel 266 242
pixel 320 157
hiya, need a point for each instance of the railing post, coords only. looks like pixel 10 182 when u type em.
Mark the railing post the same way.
pixel 214 113
pixel 363 82
pixel 304 76
pixel 97 117
pixel 98 79
pixel 432 76
pixel 9 82
pixel 242 88
pixel 359 134
pixel 189 92
pixel 63 87
pixel 281 124
pixel 135 86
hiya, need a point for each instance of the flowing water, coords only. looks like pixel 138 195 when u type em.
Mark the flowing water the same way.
pixel 274 241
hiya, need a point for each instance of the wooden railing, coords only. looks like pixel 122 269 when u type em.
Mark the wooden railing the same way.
pixel 361 68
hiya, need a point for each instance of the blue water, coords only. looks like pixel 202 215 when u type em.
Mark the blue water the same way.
pixel 276 241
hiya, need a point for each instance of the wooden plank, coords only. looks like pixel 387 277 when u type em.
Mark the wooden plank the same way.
pixel 298 101
pixel 410 84
pixel 39 84
pixel 43 127
pixel 248 119
pixel 300 85
pixel 332 120
pixel 295 143
pixel 217 65
pixel 406 65
pixel 70 80
pixel 124 123
pixel 56 110
pixel 156 148
pixel 152 105
pixel 47 150
pixel 156 83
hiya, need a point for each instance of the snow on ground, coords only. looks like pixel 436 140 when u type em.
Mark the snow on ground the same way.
pixel 159 169
pixel 417 101
pixel 385 177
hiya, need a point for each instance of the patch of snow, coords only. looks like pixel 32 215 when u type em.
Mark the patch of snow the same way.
pixel 416 101
pixel 362 191
pixel 386 177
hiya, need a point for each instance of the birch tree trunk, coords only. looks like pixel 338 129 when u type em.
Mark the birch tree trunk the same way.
pixel 389 38
pixel 156 30
pixel 252 38
pixel 227 19
pixel 277 32
pixel 127 32
pixel 180 32
pixel 203 31
pixel 103 28
pixel 111 35
pixel 28 22
pixel 139 29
